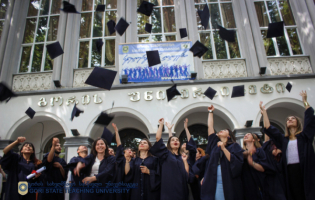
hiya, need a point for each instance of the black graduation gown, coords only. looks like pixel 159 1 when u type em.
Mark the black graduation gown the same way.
pixel 274 186
pixel 53 174
pixel 253 180
pixel 17 169
pixel 174 178
pixel 104 176
pixel 231 171
pixel 306 152
pixel 119 174
pixel 148 184
pixel 75 180
pixel 197 169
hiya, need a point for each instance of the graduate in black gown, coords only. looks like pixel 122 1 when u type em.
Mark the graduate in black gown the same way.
pixel 174 167
pixel 255 168
pixel 274 185
pixel 197 172
pixel 297 151
pixel 97 169
pixel 56 173
pixel 222 178
pixel 18 166
pixel 76 180
pixel 145 172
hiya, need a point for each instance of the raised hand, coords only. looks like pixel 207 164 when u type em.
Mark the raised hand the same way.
pixel 21 139
pixel 169 126
pixel 211 108
pixel 161 121
pixel 115 127
pixel 304 96
pixel 262 108
pixel 186 123
pixel 55 141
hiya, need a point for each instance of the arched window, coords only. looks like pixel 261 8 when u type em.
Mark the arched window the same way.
pixel 130 137
pixel 61 140
pixel 200 134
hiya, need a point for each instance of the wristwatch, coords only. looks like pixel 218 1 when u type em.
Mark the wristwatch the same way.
pixel 210 111
pixel 305 103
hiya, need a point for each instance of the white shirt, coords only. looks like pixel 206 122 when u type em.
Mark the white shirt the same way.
pixel 95 167
pixel 292 152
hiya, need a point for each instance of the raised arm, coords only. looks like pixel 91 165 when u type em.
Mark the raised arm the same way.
pixel 16 142
pixel 116 134
pixel 210 120
pixel 186 129
pixel 52 150
pixel 169 127
pixel 265 116
pixel 159 131
pixel 304 99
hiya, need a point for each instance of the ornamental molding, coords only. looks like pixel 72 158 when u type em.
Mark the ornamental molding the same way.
pixel 32 82
pixel 287 66
pixel 224 69
pixel 80 77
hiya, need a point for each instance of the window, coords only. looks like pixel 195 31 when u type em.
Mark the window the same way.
pixel 162 20
pixel 3 10
pixel 276 11
pixel 94 27
pixel 41 29
pixel 221 13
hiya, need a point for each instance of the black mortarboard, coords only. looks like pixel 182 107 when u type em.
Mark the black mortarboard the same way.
pixel 275 29
pixel 228 35
pixel 54 50
pixel 204 16
pixel 172 92
pixel 30 112
pixel 153 58
pixel 289 86
pixel 68 8
pixel 100 8
pixel 183 32
pixel 238 91
pixel 75 112
pixel 107 135
pixel 249 123
pixel 121 26
pixel 5 93
pixel 102 78
pixel 210 92
pixel 198 49
pixel 75 132
pixel 111 26
pixel 99 44
pixel 148 27
pixel 104 118
pixel 146 8
pixel 262 70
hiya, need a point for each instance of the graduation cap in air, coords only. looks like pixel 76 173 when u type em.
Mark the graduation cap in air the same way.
pixel 100 8
pixel 121 26
pixel 75 112
pixel 249 123
pixel 172 92
pixel 146 8
pixel 289 86
pixel 228 35
pixel 102 78
pixel 104 119
pixel 75 132
pixel 111 26
pixel 54 50
pixel 210 93
pixel 275 29
pixel 107 135
pixel 5 93
pixel 198 49
pixel 153 58
pixel 148 27
pixel 204 16
pixel 99 44
pixel 183 32
pixel 30 112
pixel 69 8
pixel 238 91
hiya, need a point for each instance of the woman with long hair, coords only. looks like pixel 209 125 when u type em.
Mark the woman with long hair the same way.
pixel 174 166
pixel 18 166
pixel 255 168
pixel 222 178
pixel 144 172
pixel 297 151
pixel 97 167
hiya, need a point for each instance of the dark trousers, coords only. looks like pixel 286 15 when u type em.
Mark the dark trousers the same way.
pixel 296 182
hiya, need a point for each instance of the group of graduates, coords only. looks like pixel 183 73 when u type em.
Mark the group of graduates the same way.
pixel 281 168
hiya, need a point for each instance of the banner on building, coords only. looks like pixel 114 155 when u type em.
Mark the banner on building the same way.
pixel 176 61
